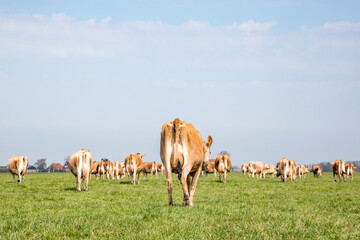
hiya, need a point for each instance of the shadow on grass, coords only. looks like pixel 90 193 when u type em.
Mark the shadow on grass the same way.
pixel 70 189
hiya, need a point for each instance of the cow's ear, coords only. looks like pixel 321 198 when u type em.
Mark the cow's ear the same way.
pixel 210 141
pixel 142 155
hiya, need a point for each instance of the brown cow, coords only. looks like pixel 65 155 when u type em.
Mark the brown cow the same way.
pixel 317 170
pixel 160 168
pixel 301 170
pixel 256 168
pixel 149 167
pixel 338 169
pixel 102 170
pixel 286 168
pixel 269 169
pixel 95 169
pixel 349 170
pixel 244 168
pixel 80 165
pixel 18 166
pixel 183 149
pixel 222 165
pixel 211 167
pixel 133 163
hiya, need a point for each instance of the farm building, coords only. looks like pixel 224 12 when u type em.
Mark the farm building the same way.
pixel 55 167
pixel 31 169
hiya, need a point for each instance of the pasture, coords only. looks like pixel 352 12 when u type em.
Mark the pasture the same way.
pixel 47 206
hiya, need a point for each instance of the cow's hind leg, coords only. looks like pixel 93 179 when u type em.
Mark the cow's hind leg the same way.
pixel 193 186
pixel 185 187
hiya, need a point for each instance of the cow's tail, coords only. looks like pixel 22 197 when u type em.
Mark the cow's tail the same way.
pixel 80 166
pixel 176 151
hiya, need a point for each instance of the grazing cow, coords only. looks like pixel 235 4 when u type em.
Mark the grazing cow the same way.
pixel 256 168
pixel 269 169
pixel 301 170
pixel 211 167
pixel 317 170
pixel 349 170
pixel 222 165
pixel 160 168
pixel 18 166
pixel 183 149
pixel 95 168
pixel 149 167
pixel 102 168
pixel 122 170
pixel 287 168
pixel 244 168
pixel 133 164
pixel 338 169
pixel 117 169
pixel 80 165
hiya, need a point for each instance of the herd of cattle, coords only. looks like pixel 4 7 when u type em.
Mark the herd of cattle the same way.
pixel 183 152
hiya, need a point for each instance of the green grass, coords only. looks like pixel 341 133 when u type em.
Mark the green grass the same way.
pixel 46 206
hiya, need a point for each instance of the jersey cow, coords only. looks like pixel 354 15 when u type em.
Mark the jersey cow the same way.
pixel 301 170
pixel 338 169
pixel 160 168
pixel 183 150
pixel 244 168
pixel 149 168
pixel 210 167
pixel 18 166
pixel 316 170
pixel 286 168
pixel 349 170
pixel 257 168
pixel 222 165
pixel 80 165
pixel 133 163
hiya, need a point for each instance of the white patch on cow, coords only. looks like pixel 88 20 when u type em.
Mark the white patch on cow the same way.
pixel 80 166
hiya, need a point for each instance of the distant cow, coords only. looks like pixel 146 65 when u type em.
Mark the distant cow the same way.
pixel 149 167
pixel 349 170
pixel 133 163
pixel 301 170
pixel 117 169
pixel 160 168
pixel 18 166
pixel 244 168
pixel 317 170
pixel 211 167
pixel 256 168
pixel 269 169
pixel 287 168
pixel 80 165
pixel 94 168
pixel 222 165
pixel 338 169
pixel 102 169
pixel 183 149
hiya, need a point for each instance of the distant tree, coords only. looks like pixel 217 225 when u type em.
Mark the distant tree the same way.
pixel 41 165
pixel 225 152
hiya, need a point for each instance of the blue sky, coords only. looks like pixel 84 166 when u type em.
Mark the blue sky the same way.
pixel 267 79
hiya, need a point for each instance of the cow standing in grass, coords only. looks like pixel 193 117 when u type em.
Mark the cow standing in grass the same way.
pixel 102 168
pixel 18 166
pixel 256 168
pixel 80 165
pixel 183 149
pixel 349 170
pixel 269 169
pixel 301 170
pixel 149 168
pixel 95 169
pixel 133 163
pixel 339 170
pixel 160 168
pixel 244 168
pixel 211 167
pixel 222 165
pixel 286 168
pixel 317 170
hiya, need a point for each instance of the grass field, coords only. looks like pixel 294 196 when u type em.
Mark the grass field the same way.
pixel 47 206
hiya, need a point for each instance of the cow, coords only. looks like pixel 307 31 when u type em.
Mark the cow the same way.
pixel 349 170
pixel 256 168
pixel 183 149
pixel 18 166
pixel 133 163
pixel 160 168
pixel 80 166
pixel 269 169
pixel 102 171
pixel 109 170
pixel 149 167
pixel 95 168
pixel 244 168
pixel 222 165
pixel 286 168
pixel 301 170
pixel 317 170
pixel 338 169
pixel 122 170
pixel 117 169
pixel 211 167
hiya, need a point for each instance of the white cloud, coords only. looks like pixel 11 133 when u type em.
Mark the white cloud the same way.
pixel 343 26
pixel 251 25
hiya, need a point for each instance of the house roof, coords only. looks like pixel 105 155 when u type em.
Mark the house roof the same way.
pixel 31 167
pixel 57 165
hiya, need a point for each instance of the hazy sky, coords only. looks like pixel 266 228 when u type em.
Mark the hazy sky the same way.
pixel 267 79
